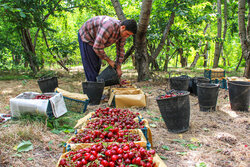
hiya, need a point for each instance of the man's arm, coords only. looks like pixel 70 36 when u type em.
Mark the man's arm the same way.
pixel 101 39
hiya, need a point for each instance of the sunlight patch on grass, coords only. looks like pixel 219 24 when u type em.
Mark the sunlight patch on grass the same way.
pixel 7 91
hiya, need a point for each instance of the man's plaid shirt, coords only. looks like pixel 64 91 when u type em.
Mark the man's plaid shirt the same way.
pixel 101 32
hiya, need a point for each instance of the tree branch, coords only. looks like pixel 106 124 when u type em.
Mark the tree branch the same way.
pixel 60 63
pixel 118 9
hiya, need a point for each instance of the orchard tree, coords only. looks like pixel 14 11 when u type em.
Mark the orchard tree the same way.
pixel 244 33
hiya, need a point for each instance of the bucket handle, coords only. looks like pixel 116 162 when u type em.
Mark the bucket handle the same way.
pixel 99 79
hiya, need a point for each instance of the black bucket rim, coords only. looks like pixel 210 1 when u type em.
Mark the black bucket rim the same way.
pixel 185 93
pixel 93 82
pixel 46 78
pixel 240 83
pixel 201 78
pixel 208 85
pixel 180 78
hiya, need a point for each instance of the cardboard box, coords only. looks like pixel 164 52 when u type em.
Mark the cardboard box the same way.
pixel 127 97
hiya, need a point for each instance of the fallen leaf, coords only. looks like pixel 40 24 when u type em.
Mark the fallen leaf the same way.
pixel 152 125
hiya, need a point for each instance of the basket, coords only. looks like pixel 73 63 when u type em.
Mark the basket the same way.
pixel 214 73
pixel 81 121
pixel 146 130
pixel 76 105
pixel 156 158
pixel 75 102
pixel 69 145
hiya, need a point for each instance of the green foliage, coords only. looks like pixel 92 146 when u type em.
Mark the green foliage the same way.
pixel 25 146
pixel 188 144
pixel 64 123
pixel 202 164
pixel 61 22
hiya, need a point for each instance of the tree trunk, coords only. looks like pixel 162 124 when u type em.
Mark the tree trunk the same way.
pixel 176 63
pixel 217 44
pixel 183 59
pixel 165 35
pixel 197 56
pixel 224 32
pixel 141 55
pixel 29 49
pixel 167 56
pixel 205 53
pixel 223 57
pixel 166 62
pixel 118 9
pixel 244 33
pixel 59 62
pixel 128 53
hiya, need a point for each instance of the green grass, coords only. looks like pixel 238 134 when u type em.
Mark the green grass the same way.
pixel 63 123
pixel 68 120
pixel 14 77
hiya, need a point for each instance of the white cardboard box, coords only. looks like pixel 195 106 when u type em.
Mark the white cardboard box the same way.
pixel 25 102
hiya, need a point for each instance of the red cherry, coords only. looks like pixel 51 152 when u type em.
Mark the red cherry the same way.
pixel 63 162
pixel 104 163
pixel 84 162
pixel 92 158
pixel 79 164
pixel 108 153
pixel 152 152
pixel 111 164
pixel 126 148
pixel 119 151
pixel 114 157
pixel 87 155
pixel 150 160
pixel 127 161
pixel 148 164
pixel 138 160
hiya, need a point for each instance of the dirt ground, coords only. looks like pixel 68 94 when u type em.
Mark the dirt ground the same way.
pixel 214 139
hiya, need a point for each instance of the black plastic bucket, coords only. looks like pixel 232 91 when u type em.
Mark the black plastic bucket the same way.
pixel 190 83
pixel 179 83
pixel 239 95
pixel 47 84
pixel 94 91
pixel 197 80
pixel 109 75
pixel 176 112
pixel 207 96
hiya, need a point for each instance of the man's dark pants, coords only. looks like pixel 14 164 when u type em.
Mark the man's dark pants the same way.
pixel 91 62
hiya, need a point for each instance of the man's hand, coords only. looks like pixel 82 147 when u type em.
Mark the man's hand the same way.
pixel 110 62
pixel 119 71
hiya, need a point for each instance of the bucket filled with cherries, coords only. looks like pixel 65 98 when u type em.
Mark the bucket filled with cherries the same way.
pixel 174 106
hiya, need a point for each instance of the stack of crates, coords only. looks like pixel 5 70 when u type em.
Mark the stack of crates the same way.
pixel 217 76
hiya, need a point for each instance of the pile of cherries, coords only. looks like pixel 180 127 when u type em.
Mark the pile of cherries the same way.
pixel 6 115
pixel 117 118
pixel 124 82
pixel 121 123
pixel 106 135
pixel 42 97
pixel 110 113
pixel 100 155
pixel 2 119
pixel 170 94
